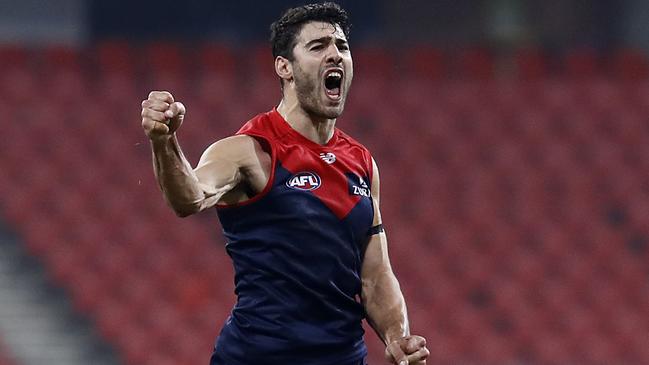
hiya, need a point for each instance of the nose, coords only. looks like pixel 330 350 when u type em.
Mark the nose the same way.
pixel 333 55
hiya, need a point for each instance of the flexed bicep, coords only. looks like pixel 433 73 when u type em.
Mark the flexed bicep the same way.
pixel 219 169
pixel 227 164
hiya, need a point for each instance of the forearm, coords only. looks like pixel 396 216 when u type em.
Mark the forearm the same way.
pixel 385 306
pixel 176 177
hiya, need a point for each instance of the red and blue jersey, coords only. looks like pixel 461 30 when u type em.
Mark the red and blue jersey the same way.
pixel 297 249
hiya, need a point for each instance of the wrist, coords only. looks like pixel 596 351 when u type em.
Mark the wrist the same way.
pixel 396 336
pixel 162 139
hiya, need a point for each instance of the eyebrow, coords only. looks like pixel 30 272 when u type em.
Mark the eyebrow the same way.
pixel 325 39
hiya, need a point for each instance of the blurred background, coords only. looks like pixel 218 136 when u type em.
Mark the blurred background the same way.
pixel 512 138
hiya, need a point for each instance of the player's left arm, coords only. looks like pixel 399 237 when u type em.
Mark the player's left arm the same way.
pixel 382 297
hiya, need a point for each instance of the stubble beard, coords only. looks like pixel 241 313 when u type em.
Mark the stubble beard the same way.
pixel 307 95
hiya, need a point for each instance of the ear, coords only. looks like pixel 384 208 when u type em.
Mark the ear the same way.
pixel 283 68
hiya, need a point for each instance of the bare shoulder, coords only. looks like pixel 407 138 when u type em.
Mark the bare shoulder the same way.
pixel 241 157
pixel 375 169
pixel 376 181
pixel 237 149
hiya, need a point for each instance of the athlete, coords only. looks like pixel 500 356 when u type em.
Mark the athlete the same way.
pixel 298 200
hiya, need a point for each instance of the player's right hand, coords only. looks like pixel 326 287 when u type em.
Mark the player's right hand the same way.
pixel 409 350
pixel 161 114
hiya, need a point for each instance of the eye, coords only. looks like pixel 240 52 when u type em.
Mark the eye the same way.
pixel 317 47
pixel 343 47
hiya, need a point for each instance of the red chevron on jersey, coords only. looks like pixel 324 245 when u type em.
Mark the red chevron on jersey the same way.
pixel 337 167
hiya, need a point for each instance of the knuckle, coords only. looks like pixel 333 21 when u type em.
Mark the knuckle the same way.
pixel 146 113
pixel 166 95
pixel 160 106
pixel 156 116
pixel 160 95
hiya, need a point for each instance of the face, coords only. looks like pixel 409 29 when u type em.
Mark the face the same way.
pixel 322 69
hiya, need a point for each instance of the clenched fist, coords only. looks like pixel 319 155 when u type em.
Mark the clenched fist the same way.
pixel 161 114
pixel 409 350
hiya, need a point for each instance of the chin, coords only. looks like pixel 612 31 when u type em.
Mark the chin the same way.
pixel 327 112
pixel 335 110
pixel 333 113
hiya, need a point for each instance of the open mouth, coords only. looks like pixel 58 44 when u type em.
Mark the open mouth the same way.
pixel 332 83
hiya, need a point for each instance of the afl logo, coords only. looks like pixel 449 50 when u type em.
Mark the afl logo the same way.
pixel 304 181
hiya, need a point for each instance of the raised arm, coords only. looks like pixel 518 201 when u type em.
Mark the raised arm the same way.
pixel 382 297
pixel 186 190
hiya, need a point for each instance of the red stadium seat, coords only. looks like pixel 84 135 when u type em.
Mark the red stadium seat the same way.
pixel 532 64
pixel 68 87
pixel 168 77
pixel 216 91
pixel 17 85
pixel 374 62
pixel 259 63
pixel 118 88
pixel 59 58
pixel 115 56
pixel 136 345
pixel 425 63
pixel 163 57
pixel 218 59
pixel 475 64
pixel 582 63
pixel 630 64
pixel 14 56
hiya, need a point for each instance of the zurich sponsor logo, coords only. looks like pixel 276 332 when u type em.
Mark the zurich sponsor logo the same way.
pixel 362 182
pixel 358 186
pixel 304 181
pixel 361 191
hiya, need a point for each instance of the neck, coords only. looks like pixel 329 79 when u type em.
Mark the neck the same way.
pixel 318 130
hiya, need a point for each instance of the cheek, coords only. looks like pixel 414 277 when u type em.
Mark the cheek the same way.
pixel 306 71
pixel 350 68
pixel 350 76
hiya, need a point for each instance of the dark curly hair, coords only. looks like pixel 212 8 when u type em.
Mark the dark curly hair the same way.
pixel 283 32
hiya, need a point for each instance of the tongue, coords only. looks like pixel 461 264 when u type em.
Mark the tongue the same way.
pixel 334 91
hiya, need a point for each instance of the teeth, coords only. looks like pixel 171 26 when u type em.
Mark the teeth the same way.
pixel 335 74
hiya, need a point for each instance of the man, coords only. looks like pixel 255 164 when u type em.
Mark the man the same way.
pixel 299 204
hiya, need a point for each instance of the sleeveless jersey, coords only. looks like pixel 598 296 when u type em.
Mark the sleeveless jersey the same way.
pixel 297 249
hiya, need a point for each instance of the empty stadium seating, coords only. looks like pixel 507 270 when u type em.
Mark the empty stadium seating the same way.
pixel 516 202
